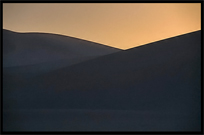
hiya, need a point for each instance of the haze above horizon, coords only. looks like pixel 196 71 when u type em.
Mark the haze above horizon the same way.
pixel 120 25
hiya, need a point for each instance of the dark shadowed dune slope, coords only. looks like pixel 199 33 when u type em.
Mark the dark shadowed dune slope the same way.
pixel 160 75
pixel 162 78
pixel 21 49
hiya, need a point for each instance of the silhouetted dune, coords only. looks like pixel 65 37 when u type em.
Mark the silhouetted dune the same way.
pixel 21 49
pixel 161 70
pixel 30 54
pixel 158 82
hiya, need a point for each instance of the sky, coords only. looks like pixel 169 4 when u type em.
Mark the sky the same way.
pixel 120 25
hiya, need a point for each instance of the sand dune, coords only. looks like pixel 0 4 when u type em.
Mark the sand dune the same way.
pixel 21 49
pixel 161 78
pixel 158 71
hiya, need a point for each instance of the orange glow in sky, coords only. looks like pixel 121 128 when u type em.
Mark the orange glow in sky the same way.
pixel 120 25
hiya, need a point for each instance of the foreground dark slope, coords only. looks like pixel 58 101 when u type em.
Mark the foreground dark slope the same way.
pixel 20 49
pixel 162 75
pixel 159 82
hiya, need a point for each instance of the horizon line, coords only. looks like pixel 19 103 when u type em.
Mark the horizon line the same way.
pixel 59 34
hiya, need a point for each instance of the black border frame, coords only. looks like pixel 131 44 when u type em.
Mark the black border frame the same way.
pixel 104 1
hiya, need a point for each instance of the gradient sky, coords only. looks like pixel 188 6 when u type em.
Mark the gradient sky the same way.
pixel 123 25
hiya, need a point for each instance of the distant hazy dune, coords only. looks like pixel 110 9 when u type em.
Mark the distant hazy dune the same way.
pixel 21 49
